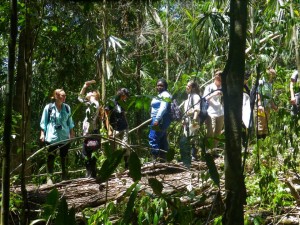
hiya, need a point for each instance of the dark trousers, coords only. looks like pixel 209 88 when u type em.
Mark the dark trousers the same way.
pixel 63 152
pixel 90 160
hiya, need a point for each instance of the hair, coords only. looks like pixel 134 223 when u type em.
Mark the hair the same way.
pixel 55 93
pixel 271 71
pixel 97 94
pixel 218 74
pixel 247 75
pixel 165 83
pixel 194 86
pixel 122 91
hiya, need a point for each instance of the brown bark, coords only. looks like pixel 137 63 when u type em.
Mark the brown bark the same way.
pixel 83 193
pixel 232 84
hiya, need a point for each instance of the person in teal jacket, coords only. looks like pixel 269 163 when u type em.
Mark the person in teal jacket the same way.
pixel 56 129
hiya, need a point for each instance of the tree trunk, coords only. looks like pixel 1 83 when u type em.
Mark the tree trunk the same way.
pixel 103 59
pixel 167 41
pixel 232 83
pixel 8 115
pixel 295 38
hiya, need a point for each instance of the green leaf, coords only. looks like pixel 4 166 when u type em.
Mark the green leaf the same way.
pixel 51 204
pixel 130 206
pixel 213 171
pixel 54 28
pixel 38 221
pixel 62 214
pixel 109 165
pixel 134 167
pixel 156 186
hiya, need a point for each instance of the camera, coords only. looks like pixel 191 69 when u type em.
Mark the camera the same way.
pixel 58 126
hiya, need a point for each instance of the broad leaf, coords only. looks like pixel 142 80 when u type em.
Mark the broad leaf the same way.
pixel 156 186
pixel 134 167
pixel 109 165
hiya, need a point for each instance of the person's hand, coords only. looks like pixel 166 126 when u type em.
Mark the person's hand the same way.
pixel 88 83
pixel 217 93
pixel 195 123
pixel 42 138
pixel 155 123
pixel 261 108
pixel 293 101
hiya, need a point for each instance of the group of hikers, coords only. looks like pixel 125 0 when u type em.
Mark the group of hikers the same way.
pixel 57 125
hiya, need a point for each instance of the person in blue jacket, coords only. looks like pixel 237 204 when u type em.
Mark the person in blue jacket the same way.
pixel 57 127
pixel 161 120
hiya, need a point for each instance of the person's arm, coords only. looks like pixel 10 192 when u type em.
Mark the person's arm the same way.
pixel 162 108
pixel 293 99
pixel 83 89
pixel 43 124
pixel 72 133
pixel 42 136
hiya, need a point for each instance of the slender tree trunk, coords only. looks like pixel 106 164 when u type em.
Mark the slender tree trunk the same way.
pixel 8 115
pixel 295 38
pixel 232 84
pixel 138 74
pixel 103 59
pixel 167 41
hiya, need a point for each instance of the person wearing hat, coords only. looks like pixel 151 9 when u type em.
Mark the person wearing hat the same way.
pixel 295 93
pixel 117 126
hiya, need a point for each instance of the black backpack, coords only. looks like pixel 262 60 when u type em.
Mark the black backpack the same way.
pixel 51 105
pixel 175 112
pixel 203 109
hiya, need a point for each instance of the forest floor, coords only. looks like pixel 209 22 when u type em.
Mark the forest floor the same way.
pixel 85 193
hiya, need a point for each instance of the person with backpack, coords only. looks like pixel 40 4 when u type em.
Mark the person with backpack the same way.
pixel 91 125
pixel 161 120
pixel 190 120
pixel 295 93
pixel 215 120
pixel 117 126
pixel 265 102
pixel 56 128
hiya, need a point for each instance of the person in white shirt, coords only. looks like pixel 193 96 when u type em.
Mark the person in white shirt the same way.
pixel 215 120
pixel 191 118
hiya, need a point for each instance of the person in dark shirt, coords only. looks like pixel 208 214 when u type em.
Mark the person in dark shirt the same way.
pixel 117 126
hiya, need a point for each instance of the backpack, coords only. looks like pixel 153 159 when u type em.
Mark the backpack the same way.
pixel 50 107
pixel 175 112
pixel 203 109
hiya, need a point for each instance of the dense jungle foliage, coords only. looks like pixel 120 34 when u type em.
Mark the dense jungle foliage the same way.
pixel 62 44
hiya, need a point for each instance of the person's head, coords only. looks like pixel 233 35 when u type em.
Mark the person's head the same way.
pixel 59 96
pixel 192 87
pixel 271 74
pixel 161 85
pixel 122 94
pixel 218 78
pixel 93 94
pixel 247 76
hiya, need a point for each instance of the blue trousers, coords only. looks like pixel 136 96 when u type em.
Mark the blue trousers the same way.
pixel 158 140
